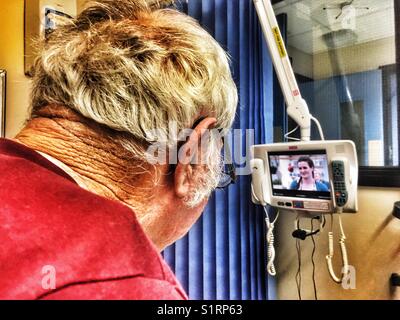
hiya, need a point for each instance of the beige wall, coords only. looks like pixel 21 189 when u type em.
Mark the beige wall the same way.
pixel 364 57
pixel 373 247
pixel 354 59
pixel 67 6
pixel 80 5
pixel 12 60
pixel 303 63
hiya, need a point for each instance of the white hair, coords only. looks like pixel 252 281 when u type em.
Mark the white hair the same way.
pixel 134 67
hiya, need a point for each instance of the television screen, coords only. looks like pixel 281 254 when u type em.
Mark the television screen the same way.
pixel 300 174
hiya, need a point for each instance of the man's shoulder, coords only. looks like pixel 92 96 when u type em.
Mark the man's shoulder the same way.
pixel 47 222
pixel 129 288
pixel 33 189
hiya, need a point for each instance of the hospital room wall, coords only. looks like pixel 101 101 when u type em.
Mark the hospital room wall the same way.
pixel 353 59
pixel 325 98
pixel 12 60
pixel 372 233
pixel 372 243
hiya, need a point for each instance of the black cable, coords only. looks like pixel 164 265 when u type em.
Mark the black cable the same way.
pixel 298 274
pixel 312 260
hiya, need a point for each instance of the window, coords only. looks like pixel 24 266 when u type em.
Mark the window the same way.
pixel 344 56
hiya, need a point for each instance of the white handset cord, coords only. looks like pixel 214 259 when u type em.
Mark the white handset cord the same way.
pixel 270 242
pixel 269 237
pixel 343 250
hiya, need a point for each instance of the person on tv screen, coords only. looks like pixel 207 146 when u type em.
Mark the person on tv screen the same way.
pixel 307 181
pixel 318 178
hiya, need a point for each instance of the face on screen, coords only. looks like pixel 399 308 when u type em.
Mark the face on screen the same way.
pixel 300 174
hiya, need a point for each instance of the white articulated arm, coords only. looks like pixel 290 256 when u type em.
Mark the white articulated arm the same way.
pixel 297 107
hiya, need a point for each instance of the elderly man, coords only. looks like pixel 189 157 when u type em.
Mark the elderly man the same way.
pixel 83 211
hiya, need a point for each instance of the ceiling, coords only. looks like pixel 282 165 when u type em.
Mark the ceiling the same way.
pixel 308 22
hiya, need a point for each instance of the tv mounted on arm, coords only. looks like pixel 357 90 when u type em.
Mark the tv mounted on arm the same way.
pixel 264 190
pixel 276 177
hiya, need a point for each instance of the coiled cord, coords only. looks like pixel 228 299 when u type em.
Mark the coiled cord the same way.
pixel 343 249
pixel 270 242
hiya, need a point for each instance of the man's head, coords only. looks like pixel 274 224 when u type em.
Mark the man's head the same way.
pixel 135 68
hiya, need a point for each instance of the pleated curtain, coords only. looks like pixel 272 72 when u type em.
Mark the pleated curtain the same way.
pixel 223 257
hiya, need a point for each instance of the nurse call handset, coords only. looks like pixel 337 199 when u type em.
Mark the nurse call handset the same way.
pixel 341 197
pixel 339 182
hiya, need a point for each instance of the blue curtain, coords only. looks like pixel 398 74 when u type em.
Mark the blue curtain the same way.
pixel 223 257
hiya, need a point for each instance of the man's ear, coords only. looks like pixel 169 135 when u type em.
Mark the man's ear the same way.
pixel 185 177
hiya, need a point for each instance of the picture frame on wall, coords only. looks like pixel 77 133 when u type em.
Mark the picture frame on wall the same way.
pixel 41 18
pixel 2 103
pixel 52 19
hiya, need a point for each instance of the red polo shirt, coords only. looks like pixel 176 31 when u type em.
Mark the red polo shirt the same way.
pixel 54 233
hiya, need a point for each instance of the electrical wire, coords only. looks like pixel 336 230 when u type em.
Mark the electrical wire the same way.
pixel 323 222
pixel 315 120
pixel 298 274
pixel 312 259
pixel 298 250
pixel 287 135
pixel 321 133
